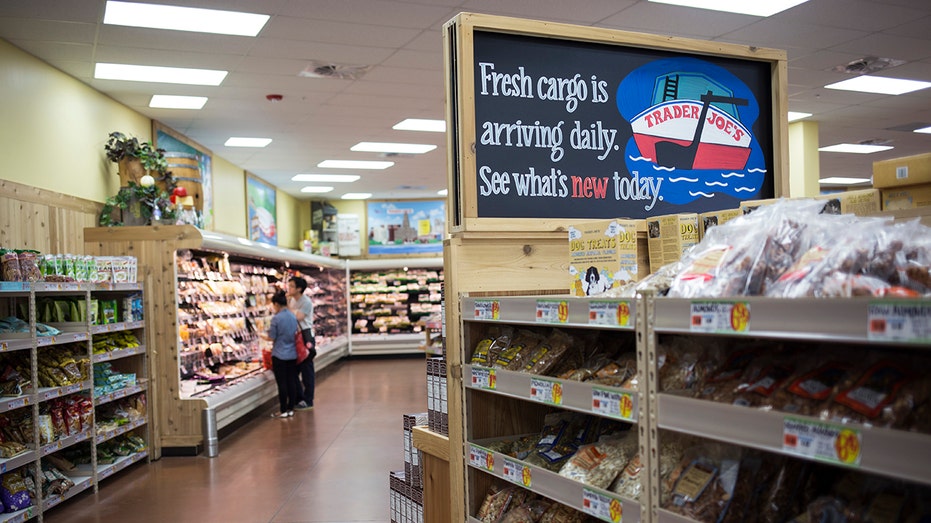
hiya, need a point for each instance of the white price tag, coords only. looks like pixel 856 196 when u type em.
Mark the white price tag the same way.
pixel 613 403
pixel 484 378
pixel 822 441
pixel 552 311
pixel 546 391
pixel 610 313
pixel 899 321
pixel 719 316
pixel 603 507
pixel 517 472
pixel 481 458
pixel 487 309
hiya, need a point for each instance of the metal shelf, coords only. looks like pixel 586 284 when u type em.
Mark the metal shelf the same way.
pixel 20 516
pixel 117 327
pixel 105 471
pixel 81 483
pixel 140 386
pixel 70 334
pixel 838 320
pixel 584 498
pixel 118 353
pixel 46 394
pixel 17 461
pixel 665 516
pixel 555 310
pixel 110 434
pixel 8 404
pixel 64 443
pixel 600 400
pixel 878 450
pixel 15 341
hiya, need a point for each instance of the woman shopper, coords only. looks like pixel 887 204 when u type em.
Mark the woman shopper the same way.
pixel 284 355
pixel 303 309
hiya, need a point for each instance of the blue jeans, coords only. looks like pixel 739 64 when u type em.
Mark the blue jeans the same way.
pixel 306 370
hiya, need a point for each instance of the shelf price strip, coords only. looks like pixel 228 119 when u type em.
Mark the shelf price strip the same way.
pixel 609 313
pixel 517 472
pixel 481 458
pixel 484 378
pixel 728 317
pixel 822 441
pixel 613 403
pixel 899 321
pixel 487 310
pixel 603 507
pixel 546 391
pixel 552 311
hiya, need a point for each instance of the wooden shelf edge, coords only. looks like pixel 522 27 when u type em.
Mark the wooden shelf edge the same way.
pixel 436 445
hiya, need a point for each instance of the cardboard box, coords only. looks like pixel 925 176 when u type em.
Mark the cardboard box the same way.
pixel 708 220
pixel 864 202
pixel 898 172
pixel 748 206
pixel 605 254
pixel 901 198
pixel 669 236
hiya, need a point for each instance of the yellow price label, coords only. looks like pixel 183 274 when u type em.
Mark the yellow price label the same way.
pixel 627 406
pixel 847 446
pixel 623 313
pixel 740 317
pixel 616 511
pixel 525 477
pixel 563 312
pixel 557 393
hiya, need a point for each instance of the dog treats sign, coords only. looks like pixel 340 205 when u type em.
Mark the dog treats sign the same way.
pixel 567 129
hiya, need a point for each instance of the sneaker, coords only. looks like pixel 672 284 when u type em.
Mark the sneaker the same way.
pixel 289 413
pixel 303 406
pixel 282 414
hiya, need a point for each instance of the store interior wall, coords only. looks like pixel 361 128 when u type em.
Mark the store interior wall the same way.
pixel 804 167
pixel 53 128
pixel 52 134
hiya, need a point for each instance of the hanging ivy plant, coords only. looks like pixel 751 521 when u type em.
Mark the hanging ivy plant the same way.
pixel 150 199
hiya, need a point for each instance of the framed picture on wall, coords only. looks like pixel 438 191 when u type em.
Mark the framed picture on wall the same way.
pixel 191 165
pixel 405 227
pixel 261 210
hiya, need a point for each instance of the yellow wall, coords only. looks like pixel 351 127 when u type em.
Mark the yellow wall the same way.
pixel 53 128
pixel 229 198
pixel 290 227
pixel 804 164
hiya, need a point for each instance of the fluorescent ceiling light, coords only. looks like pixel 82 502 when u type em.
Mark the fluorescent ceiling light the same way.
pixel 316 189
pixel 332 178
pixel 353 164
pixel 854 148
pixel 417 124
pixel 879 84
pixel 842 180
pixel 357 196
pixel 402 148
pixel 443 192
pixel 166 101
pixel 184 18
pixel 157 74
pixel 236 141
pixel 793 116
pixel 742 7
pixel 926 130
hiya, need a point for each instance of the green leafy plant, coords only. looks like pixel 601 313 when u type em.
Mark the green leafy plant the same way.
pixel 120 146
pixel 152 201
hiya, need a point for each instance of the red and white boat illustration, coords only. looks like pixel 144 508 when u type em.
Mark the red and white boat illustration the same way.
pixel 670 135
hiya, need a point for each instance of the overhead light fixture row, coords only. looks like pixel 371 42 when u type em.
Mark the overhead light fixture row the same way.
pixel 794 116
pixel 741 7
pixel 354 164
pixel 399 148
pixel 843 180
pixel 420 124
pixel 357 196
pixel 166 101
pixel 326 178
pixel 856 148
pixel 879 85
pixel 156 16
pixel 237 141
pixel 158 74
pixel 320 189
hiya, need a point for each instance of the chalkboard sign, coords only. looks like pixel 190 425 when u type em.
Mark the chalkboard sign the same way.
pixel 569 129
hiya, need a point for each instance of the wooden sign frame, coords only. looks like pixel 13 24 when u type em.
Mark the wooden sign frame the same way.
pixel 460 36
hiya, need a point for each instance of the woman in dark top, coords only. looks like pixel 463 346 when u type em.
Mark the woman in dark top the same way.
pixel 284 355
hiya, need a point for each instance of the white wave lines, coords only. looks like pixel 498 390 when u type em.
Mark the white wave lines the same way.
pixel 683 179
pixel 719 184
pixel 640 158
pixel 756 170
pixel 731 175
pixel 744 189
pixel 661 168
pixel 699 193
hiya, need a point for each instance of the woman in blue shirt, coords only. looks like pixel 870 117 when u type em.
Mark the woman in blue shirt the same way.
pixel 284 355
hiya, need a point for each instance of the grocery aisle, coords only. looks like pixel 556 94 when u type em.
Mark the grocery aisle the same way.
pixel 326 465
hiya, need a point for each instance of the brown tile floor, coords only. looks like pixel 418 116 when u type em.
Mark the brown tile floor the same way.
pixel 326 465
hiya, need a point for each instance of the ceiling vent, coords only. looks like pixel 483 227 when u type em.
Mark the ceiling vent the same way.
pixel 867 65
pixel 412 187
pixel 875 141
pixel 317 69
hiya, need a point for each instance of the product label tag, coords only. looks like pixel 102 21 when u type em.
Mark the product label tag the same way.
pixel 613 403
pixel 822 441
pixel 487 310
pixel 602 506
pixel 517 472
pixel 481 458
pixel 552 311
pixel 546 391
pixel 609 313
pixel 692 483
pixel 483 378
pixel 899 321
pixel 720 316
